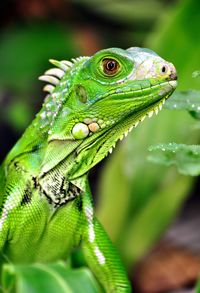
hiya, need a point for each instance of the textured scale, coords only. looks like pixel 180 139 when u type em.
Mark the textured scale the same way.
pixel 92 102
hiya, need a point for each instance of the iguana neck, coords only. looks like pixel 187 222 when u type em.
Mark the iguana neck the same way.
pixel 38 133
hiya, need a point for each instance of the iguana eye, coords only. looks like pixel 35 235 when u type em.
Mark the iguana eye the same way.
pixel 110 66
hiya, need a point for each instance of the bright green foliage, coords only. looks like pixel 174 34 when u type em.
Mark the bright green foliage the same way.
pixel 196 74
pixel 185 157
pixel 185 100
pixel 49 278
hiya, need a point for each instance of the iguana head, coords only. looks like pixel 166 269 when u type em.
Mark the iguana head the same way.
pixel 103 97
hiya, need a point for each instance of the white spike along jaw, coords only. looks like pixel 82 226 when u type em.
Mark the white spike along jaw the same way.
pixel 156 110
pixel 110 150
pixel 149 114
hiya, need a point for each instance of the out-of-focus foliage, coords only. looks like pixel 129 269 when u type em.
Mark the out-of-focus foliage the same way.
pixel 24 52
pixel 147 197
pixel 33 45
pixel 177 38
pixel 196 74
pixel 125 23
pixel 49 278
pixel 129 12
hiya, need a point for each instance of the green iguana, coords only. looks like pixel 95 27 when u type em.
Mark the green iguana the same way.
pixel 45 199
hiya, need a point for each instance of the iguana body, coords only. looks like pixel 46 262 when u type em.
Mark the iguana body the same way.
pixel 46 205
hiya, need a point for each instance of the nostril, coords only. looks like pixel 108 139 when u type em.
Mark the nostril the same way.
pixel 173 76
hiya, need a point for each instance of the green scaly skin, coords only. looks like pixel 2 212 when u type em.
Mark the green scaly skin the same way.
pixel 46 205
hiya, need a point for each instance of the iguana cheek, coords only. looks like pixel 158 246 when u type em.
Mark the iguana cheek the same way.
pixel 94 127
pixel 94 124
pixel 87 120
pixel 81 130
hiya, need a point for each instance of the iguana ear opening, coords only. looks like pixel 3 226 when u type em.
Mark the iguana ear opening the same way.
pixel 81 93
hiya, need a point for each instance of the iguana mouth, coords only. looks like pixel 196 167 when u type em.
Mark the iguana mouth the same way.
pixel 141 115
pixel 97 146
pixel 127 123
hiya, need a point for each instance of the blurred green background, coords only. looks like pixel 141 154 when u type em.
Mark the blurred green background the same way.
pixel 136 201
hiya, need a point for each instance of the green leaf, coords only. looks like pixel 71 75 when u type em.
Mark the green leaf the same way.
pixel 196 74
pixel 51 278
pixel 185 100
pixel 185 157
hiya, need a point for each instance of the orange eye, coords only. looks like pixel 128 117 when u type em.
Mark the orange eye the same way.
pixel 110 66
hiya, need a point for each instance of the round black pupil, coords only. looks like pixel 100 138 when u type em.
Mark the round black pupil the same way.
pixel 163 69
pixel 111 65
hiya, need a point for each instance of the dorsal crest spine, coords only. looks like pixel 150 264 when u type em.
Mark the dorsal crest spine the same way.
pixel 54 75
